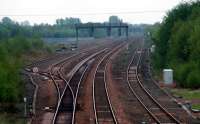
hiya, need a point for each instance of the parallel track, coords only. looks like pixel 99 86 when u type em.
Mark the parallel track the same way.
pixel 103 110
pixel 158 113
pixel 159 93
pixel 65 112
pixel 57 72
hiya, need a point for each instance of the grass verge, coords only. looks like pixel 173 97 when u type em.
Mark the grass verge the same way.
pixel 187 93
pixel 6 118
pixel 196 106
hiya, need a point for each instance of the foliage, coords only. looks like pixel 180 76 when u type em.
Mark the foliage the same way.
pixel 177 43
pixel 188 94
pixel 11 119
pixel 196 106
pixel 11 51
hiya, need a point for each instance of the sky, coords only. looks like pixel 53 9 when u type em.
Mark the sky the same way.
pixel 47 11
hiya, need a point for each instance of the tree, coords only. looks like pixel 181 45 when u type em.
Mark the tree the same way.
pixel 7 21
pixel 178 45
pixel 114 19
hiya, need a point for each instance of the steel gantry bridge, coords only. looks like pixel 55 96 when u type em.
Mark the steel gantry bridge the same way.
pixel 108 26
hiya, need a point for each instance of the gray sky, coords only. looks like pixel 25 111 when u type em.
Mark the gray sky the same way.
pixel 132 11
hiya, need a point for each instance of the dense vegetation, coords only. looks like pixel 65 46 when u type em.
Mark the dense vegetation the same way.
pixel 11 51
pixel 177 43
pixel 15 43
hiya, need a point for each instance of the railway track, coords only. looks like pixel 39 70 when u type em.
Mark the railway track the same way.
pixel 55 73
pixel 158 113
pixel 61 74
pixel 161 95
pixel 66 108
pixel 54 68
pixel 67 84
pixel 103 110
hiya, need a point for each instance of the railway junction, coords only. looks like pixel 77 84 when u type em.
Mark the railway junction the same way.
pixel 108 83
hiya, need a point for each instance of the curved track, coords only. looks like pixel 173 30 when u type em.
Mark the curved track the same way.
pixel 159 93
pixel 103 110
pixel 65 112
pixel 152 106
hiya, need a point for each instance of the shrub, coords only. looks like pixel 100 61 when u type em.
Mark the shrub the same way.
pixel 178 45
pixel 11 55
pixel 193 79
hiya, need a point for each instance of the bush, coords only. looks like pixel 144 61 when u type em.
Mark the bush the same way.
pixel 181 73
pixel 187 75
pixel 193 79
pixel 11 55
pixel 178 45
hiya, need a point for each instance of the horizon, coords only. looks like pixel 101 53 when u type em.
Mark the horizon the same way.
pixel 130 11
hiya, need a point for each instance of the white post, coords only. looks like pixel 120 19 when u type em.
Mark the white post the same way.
pixel 25 112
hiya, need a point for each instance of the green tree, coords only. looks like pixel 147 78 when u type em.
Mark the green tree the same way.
pixel 178 45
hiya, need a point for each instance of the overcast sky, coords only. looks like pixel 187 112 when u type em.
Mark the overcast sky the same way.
pixel 46 11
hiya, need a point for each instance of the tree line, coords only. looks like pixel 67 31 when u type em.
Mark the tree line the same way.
pixel 177 42
pixel 17 43
pixel 62 28
pixel 20 40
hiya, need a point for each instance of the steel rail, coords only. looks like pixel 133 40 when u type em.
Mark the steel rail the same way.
pixel 107 97
pixel 165 92
pixel 61 63
pixel 67 85
pixel 160 106
pixel 135 94
pixel 171 117
pixel 76 95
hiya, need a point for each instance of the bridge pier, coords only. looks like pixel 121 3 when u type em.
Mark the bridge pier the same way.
pixel 127 32
pixel 109 31
pixel 119 32
pixel 76 34
pixel 91 32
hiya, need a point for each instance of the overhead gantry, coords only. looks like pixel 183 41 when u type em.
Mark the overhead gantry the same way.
pixel 108 26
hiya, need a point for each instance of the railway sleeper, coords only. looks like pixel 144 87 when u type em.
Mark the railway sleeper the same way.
pixel 64 117
pixel 131 74
pixel 99 74
pixel 104 114
pixel 68 108
pixel 133 68
pixel 105 107
pixel 133 80
pixel 101 101
pixel 101 120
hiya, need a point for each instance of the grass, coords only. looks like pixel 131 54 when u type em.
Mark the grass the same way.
pixel 11 119
pixel 187 93
pixel 196 106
